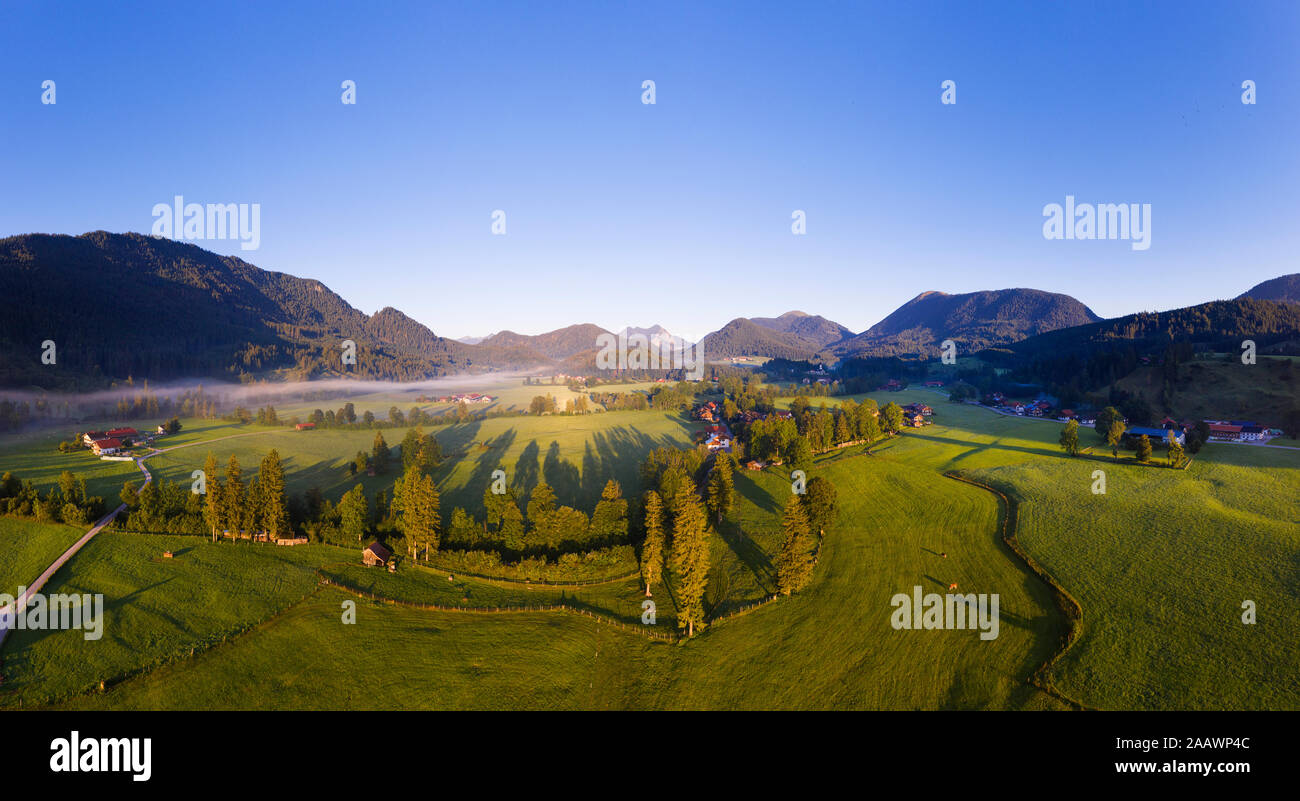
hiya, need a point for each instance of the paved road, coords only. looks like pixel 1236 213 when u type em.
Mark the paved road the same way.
pixel 7 613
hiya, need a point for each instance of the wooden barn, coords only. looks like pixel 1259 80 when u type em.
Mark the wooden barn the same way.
pixel 375 554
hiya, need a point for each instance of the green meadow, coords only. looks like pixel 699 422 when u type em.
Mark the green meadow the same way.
pixel 575 454
pixel 1160 565
pixel 29 548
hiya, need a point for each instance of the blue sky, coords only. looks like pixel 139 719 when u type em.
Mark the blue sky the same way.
pixel 676 213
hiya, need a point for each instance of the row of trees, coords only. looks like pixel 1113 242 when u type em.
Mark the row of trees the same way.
pixel 1112 428
pixel 67 502
pixel 794 440
pixel 677 524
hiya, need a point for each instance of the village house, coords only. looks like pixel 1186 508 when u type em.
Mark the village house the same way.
pixel 304 426
pixel 914 419
pixel 934 383
pixel 1224 432
pixel 376 555
pixel 107 445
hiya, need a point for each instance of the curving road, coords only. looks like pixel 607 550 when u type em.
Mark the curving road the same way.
pixel 9 612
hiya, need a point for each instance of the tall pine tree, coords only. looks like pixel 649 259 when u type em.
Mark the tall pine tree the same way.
pixel 275 506
pixel 795 561
pixel 652 550
pixel 690 556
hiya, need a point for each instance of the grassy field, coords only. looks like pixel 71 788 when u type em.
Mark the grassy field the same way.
pixel 1160 565
pixel 575 454
pixel 30 547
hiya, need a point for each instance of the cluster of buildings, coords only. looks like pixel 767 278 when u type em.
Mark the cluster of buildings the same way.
pixel 105 443
pixel 1041 407
pixel 1220 430
pixel 466 397
pixel 914 414
pixel 1240 431
pixel 710 412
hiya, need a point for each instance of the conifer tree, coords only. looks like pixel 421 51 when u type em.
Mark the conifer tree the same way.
pixel 609 519
pixel 232 507
pixel 652 550
pixel 274 504
pixel 722 487
pixel 213 498
pixel 794 563
pixel 690 557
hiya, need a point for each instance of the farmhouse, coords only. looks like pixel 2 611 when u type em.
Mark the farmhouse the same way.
pixel 934 383
pixel 375 554
pixel 1156 435
pixel 1225 432
pixel 106 445
pixel 305 426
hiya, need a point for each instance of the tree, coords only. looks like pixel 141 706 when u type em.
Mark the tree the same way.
pixel 410 448
pixel 1174 450
pixel 1070 438
pixel 868 425
pixel 1115 435
pixel 1144 449
pixel 891 418
pixel 275 507
pixel 233 497
pixel 795 561
pixel 690 557
pixel 722 486
pixel 1105 418
pixel 430 452
pixel 799 454
pixel 354 513
pixel 652 550
pixel 380 453
pixel 820 501
pixel 420 522
pixel 172 426
pixel 609 519
pixel 213 512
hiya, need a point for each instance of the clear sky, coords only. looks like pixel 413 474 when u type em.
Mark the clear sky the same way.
pixel 677 213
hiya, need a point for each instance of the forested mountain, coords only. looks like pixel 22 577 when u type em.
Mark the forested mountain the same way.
pixel 1088 357
pixel 1285 289
pixel 744 337
pixel 555 345
pixel 1220 325
pixel 816 331
pixel 974 320
pixel 118 305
